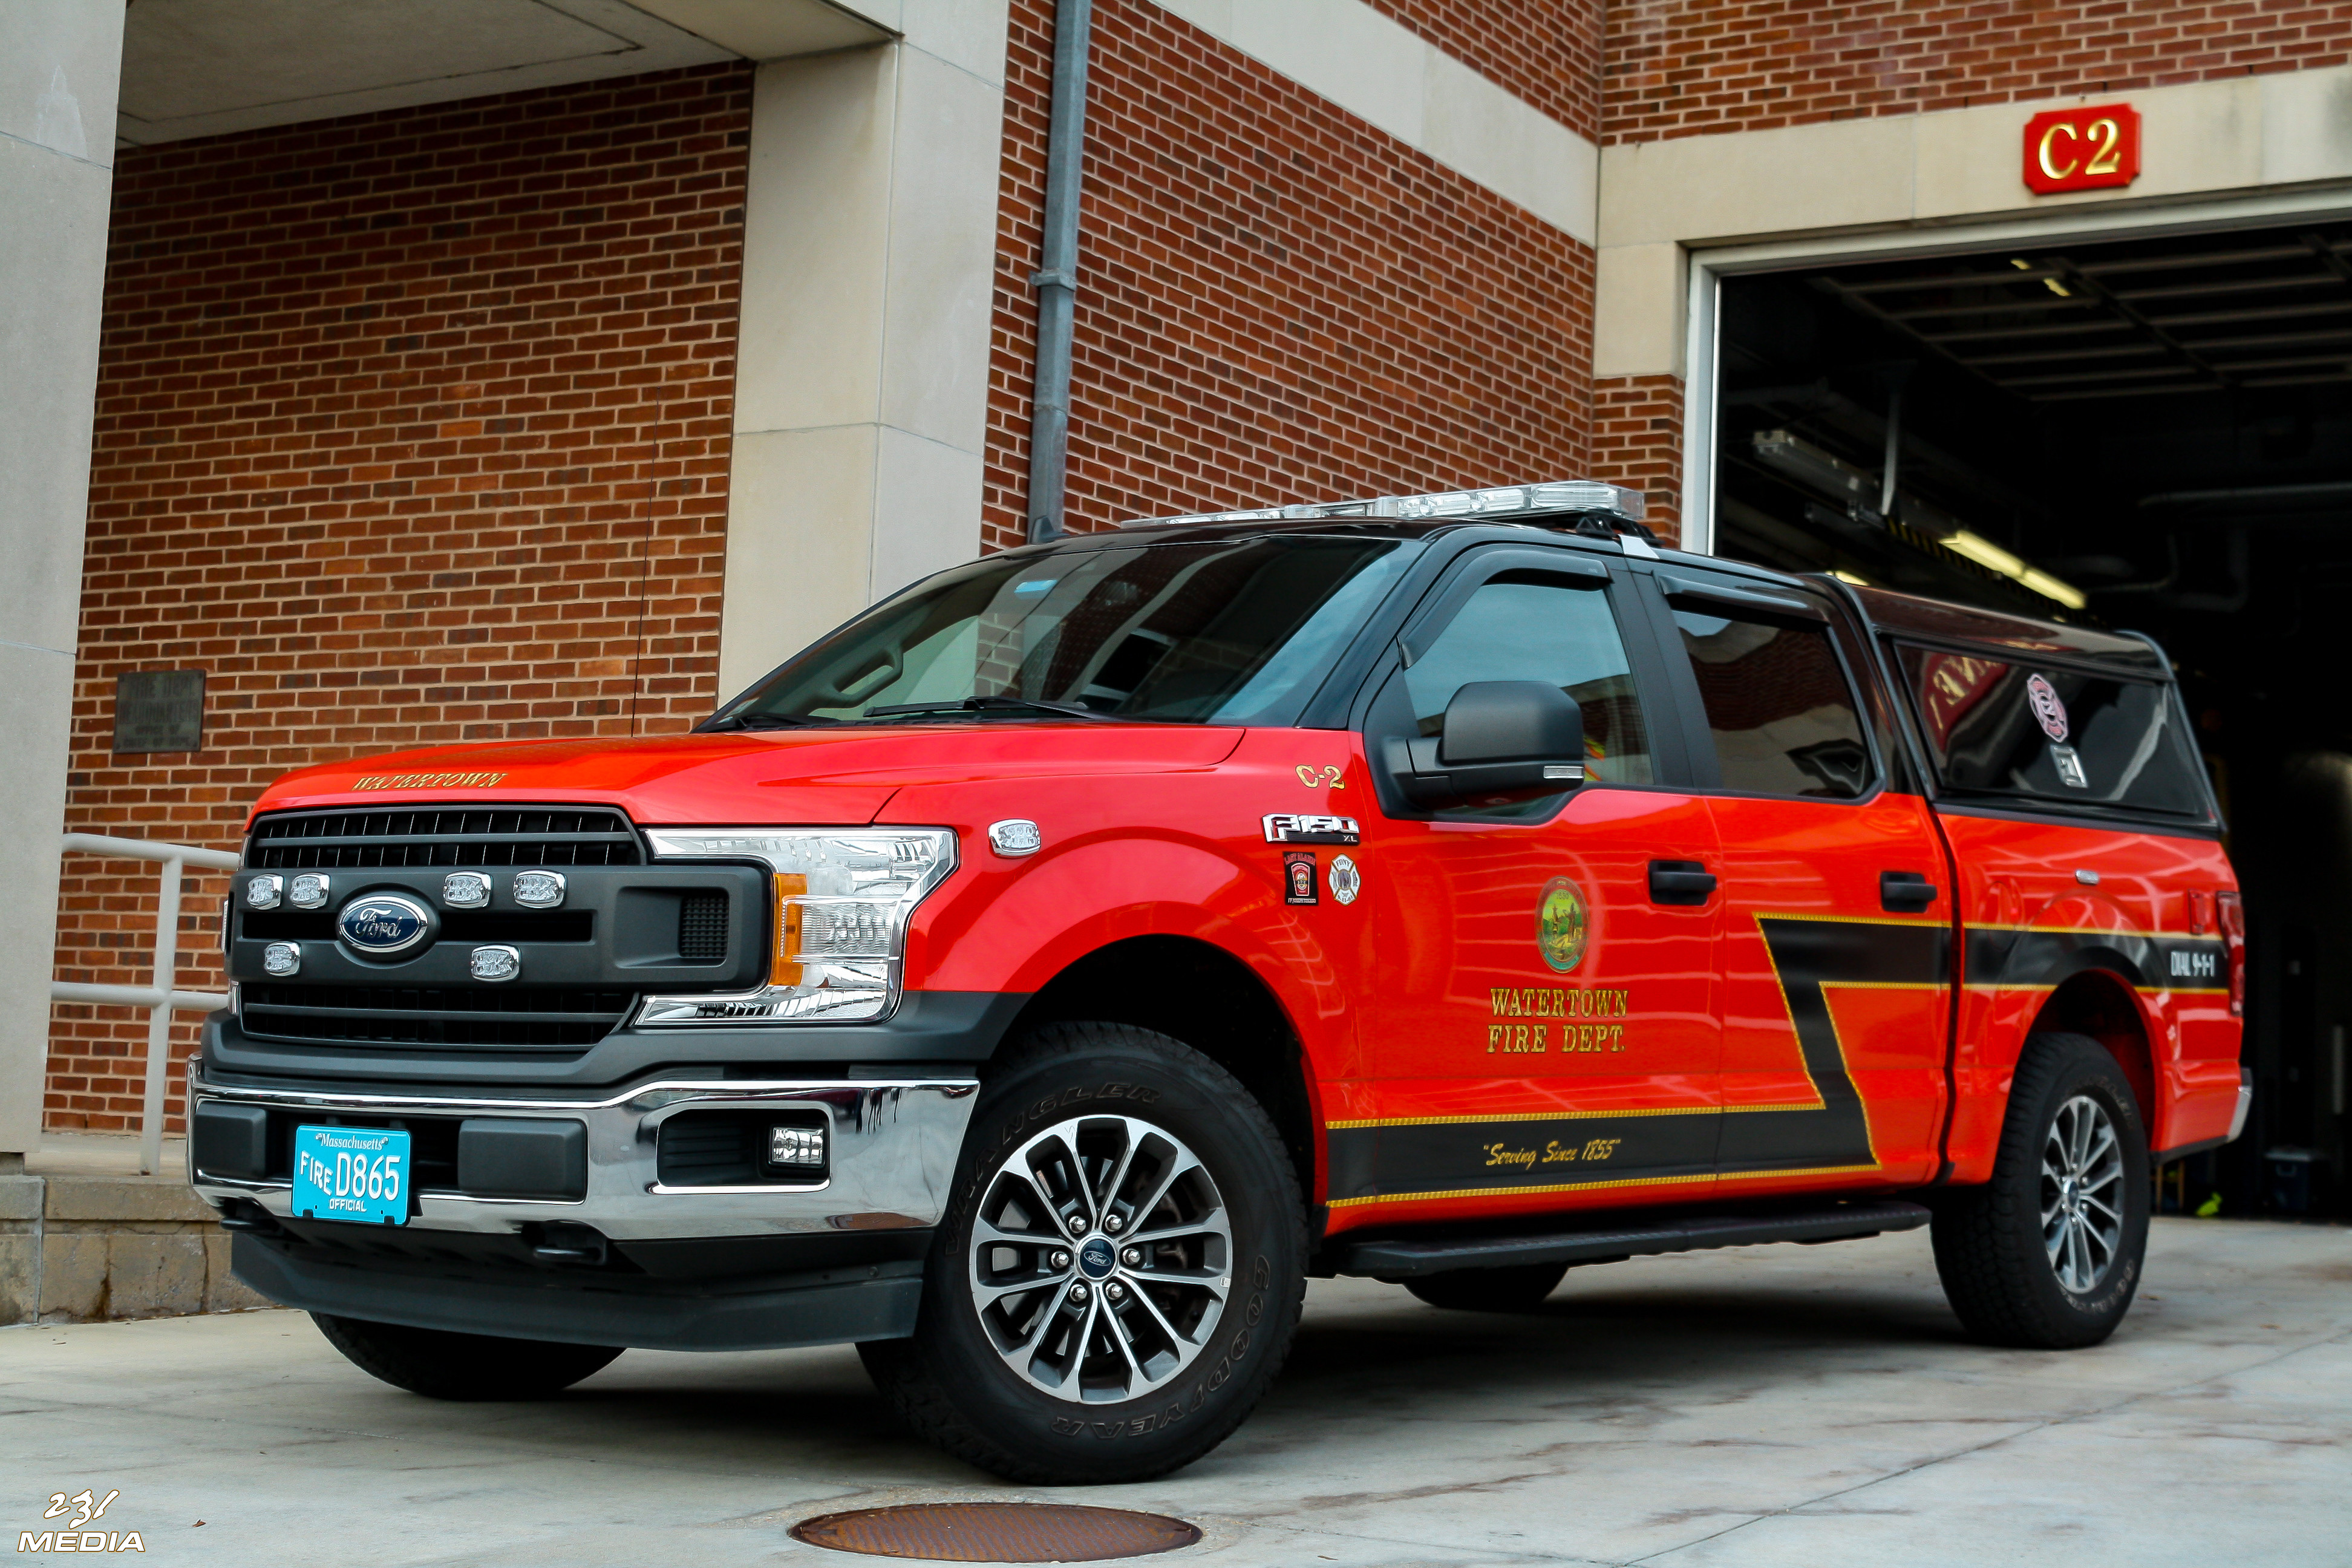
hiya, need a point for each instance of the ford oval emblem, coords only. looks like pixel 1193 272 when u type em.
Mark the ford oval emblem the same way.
pixel 383 924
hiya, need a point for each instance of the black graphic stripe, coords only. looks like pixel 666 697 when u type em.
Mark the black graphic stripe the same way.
pixel 1424 1158
pixel 1999 956
pixel 1808 955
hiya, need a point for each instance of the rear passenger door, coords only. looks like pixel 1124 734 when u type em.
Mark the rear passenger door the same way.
pixel 1837 945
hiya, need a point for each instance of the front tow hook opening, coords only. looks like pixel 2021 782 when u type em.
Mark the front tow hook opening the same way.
pixel 244 1216
pixel 567 1242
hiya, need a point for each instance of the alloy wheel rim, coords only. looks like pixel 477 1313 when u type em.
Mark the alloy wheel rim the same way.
pixel 1101 1259
pixel 2082 1195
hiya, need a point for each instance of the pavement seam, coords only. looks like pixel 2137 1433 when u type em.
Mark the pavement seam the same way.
pixel 2043 1426
pixel 1306 1531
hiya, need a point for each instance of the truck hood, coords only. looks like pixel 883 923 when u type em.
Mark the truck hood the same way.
pixel 829 776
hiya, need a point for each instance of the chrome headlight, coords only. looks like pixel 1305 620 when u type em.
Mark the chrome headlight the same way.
pixel 843 897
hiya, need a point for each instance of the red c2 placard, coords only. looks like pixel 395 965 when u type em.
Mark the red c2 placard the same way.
pixel 2082 148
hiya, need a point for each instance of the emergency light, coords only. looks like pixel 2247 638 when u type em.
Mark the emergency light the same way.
pixel 1551 498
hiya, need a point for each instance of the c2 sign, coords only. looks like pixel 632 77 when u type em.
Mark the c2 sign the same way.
pixel 2082 148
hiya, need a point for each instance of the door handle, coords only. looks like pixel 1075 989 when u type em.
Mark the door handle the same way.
pixel 1680 882
pixel 1904 892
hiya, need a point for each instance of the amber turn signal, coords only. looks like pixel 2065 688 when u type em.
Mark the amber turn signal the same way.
pixel 786 970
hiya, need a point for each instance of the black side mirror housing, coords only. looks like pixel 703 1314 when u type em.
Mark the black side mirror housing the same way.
pixel 1501 741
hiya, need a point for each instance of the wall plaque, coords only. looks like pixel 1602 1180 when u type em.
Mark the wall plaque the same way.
pixel 159 710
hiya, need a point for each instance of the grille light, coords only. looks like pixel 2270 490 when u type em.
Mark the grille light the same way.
pixel 308 891
pixel 466 890
pixel 844 899
pixel 263 894
pixel 494 965
pixel 281 959
pixel 539 889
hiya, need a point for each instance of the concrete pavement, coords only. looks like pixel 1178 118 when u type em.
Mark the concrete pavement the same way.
pixel 1773 1405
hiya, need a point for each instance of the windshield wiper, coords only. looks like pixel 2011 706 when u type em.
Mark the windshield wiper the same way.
pixel 764 722
pixel 989 703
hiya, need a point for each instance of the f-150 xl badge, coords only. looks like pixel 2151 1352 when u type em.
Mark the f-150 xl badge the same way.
pixel 1290 828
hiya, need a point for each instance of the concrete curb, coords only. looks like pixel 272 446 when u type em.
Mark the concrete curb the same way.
pixel 82 1249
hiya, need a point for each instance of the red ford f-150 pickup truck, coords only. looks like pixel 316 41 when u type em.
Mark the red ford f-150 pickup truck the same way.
pixel 1039 978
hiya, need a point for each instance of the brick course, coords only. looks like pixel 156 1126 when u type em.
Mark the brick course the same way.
pixel 411 428
pixel 1637 441
pixel 1276 301
pixel 1692 68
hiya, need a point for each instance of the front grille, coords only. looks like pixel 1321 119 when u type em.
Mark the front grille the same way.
pixel 702 926
pixel 391 836
pixel 553 1019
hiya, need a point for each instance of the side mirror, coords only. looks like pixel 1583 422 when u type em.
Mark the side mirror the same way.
pixel 1500 740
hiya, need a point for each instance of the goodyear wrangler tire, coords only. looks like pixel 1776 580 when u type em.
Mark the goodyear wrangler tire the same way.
pixel 1120 1270
pixel 2049 1254
pixel 441 1364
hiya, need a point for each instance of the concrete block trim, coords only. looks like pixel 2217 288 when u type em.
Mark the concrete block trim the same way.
pixel 1661 200
pixel 1390 77
pixel 2198 139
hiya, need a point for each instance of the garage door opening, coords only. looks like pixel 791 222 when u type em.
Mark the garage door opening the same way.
pixel 2153 435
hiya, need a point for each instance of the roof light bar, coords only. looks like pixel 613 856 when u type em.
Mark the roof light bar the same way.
pixel 1555 497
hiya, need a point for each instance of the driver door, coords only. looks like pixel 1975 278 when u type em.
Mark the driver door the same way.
pixel 1540 1012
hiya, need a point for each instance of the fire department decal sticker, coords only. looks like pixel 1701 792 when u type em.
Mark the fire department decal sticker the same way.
pixel 2047 707
pixel 1298 877
pixel 1562 924
pixel 1347 881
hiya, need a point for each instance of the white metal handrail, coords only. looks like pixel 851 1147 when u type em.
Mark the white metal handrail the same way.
pixel 158 997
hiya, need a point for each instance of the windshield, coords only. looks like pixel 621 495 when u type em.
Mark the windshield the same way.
pixel 1228 632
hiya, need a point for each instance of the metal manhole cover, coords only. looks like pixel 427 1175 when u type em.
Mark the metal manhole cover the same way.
pixel 997 1533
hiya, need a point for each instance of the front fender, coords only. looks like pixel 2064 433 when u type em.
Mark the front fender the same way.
pixel 1175 854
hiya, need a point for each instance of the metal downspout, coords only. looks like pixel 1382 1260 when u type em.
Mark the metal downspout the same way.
pixel 1056 278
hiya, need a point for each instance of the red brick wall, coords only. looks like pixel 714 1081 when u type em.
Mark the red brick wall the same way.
pixel 411 428
pixel 1688 67
pixel 1545 51
pixel 1637 441
pixel 1276 301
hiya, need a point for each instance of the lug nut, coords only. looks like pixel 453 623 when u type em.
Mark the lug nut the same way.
pixel 1113 1291
pixel 1077 1225
pixel 1113 1223
pixel 1132 1258
pixel 1059 1257
pixel 1078 1293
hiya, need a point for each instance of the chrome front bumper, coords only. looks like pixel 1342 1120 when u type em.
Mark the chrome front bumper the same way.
pixel 894 1143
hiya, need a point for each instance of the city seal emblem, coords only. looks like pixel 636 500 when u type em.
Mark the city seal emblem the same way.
pixel 1562 923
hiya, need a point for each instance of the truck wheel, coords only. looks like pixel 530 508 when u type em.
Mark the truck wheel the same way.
pixel 1519 1290
pixel 2048 1253
pixel 1118 1272
pixel 445 1365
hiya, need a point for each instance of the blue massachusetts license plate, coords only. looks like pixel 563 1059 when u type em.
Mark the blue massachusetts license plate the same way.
pixel 358 1174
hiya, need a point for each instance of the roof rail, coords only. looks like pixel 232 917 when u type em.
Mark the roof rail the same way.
pixel 1506 502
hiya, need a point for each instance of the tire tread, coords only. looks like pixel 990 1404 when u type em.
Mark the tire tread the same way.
pixel 1988 1239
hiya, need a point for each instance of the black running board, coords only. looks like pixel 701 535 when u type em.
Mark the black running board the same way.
pixel 1407 1258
